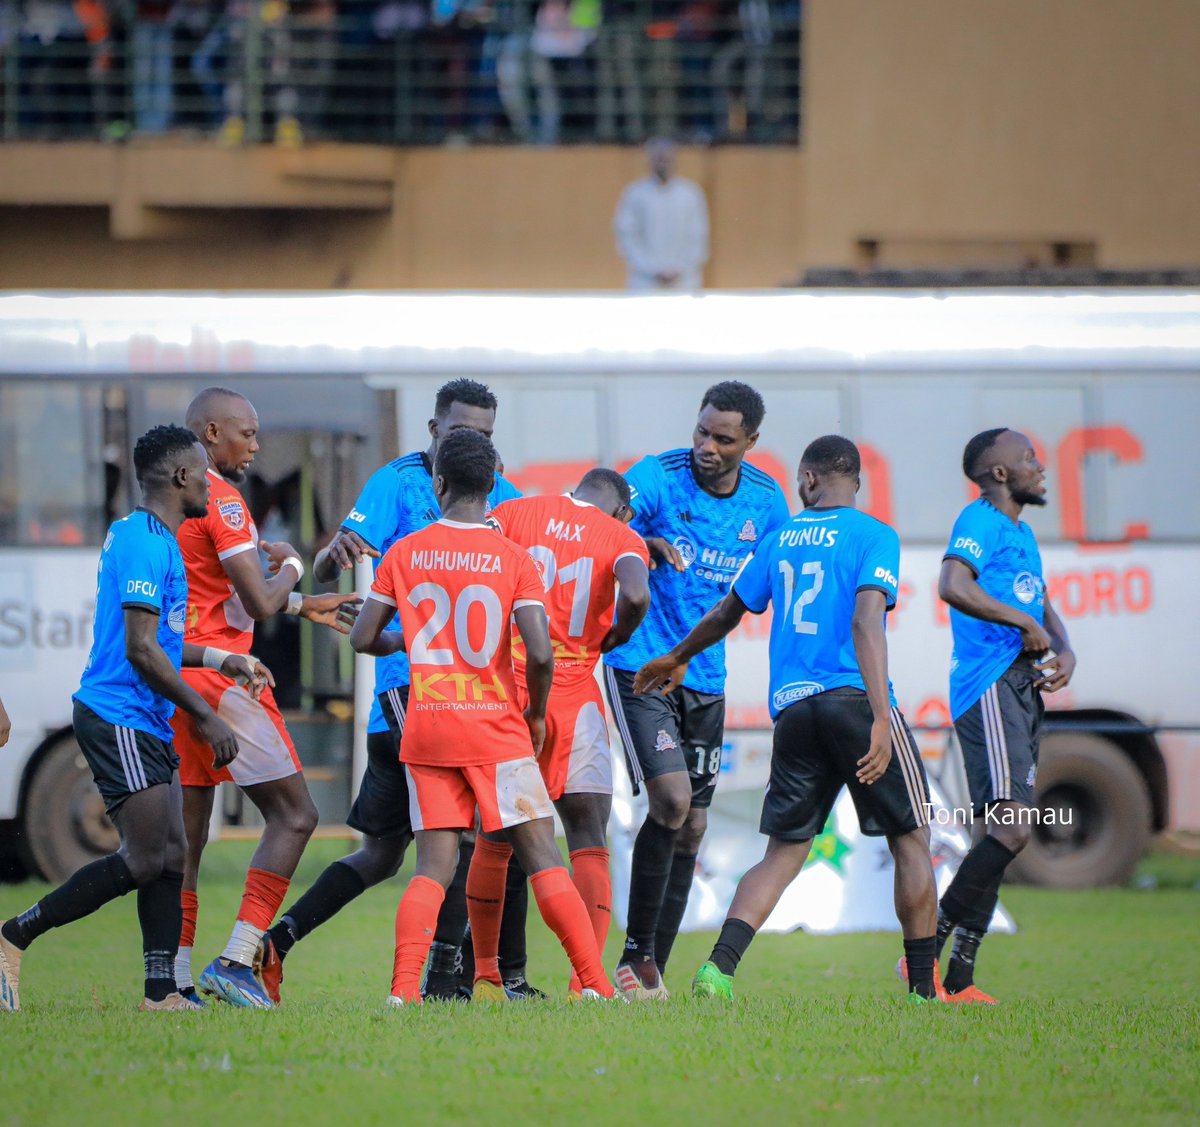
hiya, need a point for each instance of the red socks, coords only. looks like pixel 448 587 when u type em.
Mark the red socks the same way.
pixel 416 919
pixel 263 898
pixel 485 904
pixel 191 909
pixel 561 907
pixel 591 875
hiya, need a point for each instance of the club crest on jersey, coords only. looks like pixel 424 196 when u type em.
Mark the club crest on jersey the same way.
pixel 663 741
pixel 1027 587
pixel 749 532
pixel 233 513
pixel 177 616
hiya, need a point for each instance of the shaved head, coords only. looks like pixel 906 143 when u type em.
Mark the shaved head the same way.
pixel 214 405
pixel 227 425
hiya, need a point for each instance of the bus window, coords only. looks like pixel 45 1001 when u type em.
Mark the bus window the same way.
pixel 54 484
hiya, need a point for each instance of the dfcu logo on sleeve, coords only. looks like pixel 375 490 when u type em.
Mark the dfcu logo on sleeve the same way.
pixel 355 517
pixel 886 576
pixel 142 587
pixel 969 545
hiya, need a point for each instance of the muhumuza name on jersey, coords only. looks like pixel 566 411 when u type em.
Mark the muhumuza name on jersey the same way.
pixel 442 559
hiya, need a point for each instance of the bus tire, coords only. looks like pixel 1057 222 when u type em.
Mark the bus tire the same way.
pixel 1091 780
pixel 63 823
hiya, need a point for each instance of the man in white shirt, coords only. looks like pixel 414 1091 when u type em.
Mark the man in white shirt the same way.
pixel 661 226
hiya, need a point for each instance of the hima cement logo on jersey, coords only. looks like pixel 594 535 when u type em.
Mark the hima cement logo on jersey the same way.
pixel 1027 587
pixel 233 513
pixel 797 690
pixel 686 550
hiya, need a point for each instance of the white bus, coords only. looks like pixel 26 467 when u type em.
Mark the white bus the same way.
pixel 1107 384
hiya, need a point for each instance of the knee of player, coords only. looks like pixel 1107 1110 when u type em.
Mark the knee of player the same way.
pixel 670 809
pixel 300 818
pixel 146 865
pixel 1013 837
pixel 382 858
pixel 691 834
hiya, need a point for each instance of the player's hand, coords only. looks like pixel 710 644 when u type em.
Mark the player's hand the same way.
pixel 248 672
pixel 537 731
pixel 662 552
pixel 662 675
pixel 5 725
pixel 215 732
pixel 276 553
pixel 1056 670
pixel 348 548
pixel 338 612
pixel 872 765
pixel 1034 639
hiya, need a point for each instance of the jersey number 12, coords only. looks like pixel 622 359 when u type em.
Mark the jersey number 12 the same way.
pixel 813 568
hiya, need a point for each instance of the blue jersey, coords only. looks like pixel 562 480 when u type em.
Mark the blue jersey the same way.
pixel 140 566
pixel 1005 559
pixel 714 535
pixel 811 570
pixel 398 500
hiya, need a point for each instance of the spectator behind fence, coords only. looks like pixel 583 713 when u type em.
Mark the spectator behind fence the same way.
pixel 661 226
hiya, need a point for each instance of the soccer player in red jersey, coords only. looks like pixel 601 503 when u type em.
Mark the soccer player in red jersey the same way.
pixel 227 594
pixel 457 585
pixel 584 547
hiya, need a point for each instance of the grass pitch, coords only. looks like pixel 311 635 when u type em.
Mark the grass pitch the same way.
pixel 1099 1023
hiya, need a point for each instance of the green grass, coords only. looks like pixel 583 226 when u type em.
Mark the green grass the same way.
pixel 1099 1023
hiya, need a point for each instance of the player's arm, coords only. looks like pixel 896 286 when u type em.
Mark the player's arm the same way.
pixel 5 725
pixel 633 601
pixel 1058 670
pixel 870 651
pixel 143 652
pixel 666 673
pixel 245 669
pixel 370 635
pixel 263 597
pixel 539 668
pixel 341 553
pixel 958 586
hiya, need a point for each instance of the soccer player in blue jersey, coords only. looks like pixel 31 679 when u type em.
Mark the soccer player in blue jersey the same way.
pixel 832 574
pixel 122 713
pixel 398 499
pixel 1009 647
pixel 702 510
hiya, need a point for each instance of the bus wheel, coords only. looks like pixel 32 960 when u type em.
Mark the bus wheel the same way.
pixel 63 823
pixel 1095 823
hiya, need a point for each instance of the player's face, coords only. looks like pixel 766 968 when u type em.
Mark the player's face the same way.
pixel 1026 476
pixel 237 441
pixel 661 157
pixel 462 416
pixel 719 442
pixel 195 483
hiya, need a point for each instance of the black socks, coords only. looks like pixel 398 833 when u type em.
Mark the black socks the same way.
pixel 920 955
pixel 80 895
pixel 653 851
pixel 512 952
pixel 160 916
pixel 961 972
pixel 329 894
pixel 674 905
pixel 978 876
pixel 731 945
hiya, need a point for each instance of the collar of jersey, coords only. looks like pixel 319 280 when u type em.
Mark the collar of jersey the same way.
pixel 461 524
pixel 575 501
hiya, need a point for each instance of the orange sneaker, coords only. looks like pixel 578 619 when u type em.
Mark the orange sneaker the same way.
pixel 971 996
pixel 269 968
pixel 938 989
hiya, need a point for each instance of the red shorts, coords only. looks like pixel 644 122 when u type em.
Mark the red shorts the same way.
pixel 265 750
pixel 576 757
pixel 507 794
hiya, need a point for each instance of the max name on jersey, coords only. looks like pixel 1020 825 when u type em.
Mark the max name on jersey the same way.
pixel 442 559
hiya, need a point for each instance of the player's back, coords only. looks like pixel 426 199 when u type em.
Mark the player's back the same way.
pixel 215 615
pixel 813 569
pixel 576 547
pixel 456 587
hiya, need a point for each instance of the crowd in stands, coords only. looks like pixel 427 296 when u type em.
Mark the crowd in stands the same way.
pixel 402 71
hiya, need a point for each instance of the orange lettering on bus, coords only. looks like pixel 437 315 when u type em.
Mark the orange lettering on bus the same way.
pixel 1075 448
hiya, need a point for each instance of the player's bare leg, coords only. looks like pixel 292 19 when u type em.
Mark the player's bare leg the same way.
pixel 915 892
pixel 197 816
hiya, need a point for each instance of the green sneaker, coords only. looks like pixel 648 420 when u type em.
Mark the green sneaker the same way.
pixel 711 983
pixel 915 999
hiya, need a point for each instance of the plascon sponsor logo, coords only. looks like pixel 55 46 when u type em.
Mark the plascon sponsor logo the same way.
pixel 142 587
pixel 797 690
pixel 886 576
pixel 966 544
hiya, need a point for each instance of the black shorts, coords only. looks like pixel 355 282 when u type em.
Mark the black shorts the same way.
pixel 999 736
pixel 381 808
pixel 123 760
pixel 818 743
pixel 681 731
